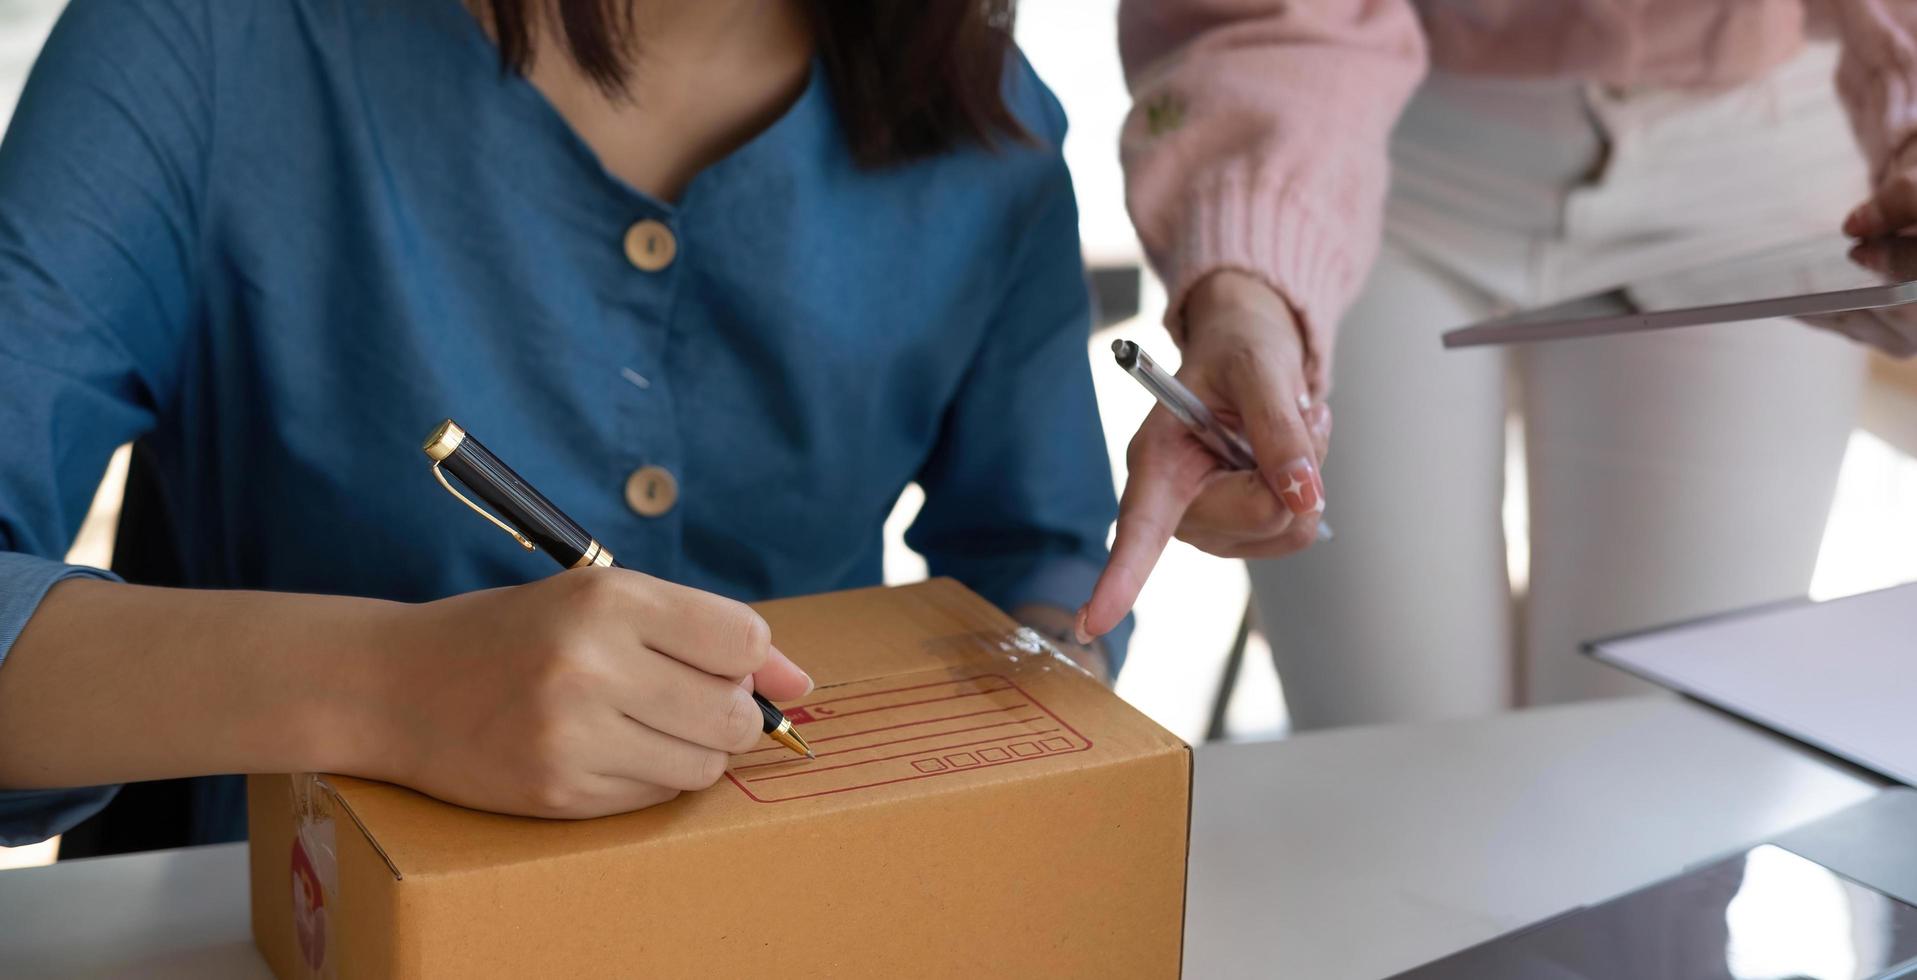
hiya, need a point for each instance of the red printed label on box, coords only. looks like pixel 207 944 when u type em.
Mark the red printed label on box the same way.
pixel 875 733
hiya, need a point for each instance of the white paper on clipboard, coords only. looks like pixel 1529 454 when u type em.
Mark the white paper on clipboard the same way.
pixel 1840 676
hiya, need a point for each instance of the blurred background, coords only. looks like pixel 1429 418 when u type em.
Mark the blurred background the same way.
pixel 1190 613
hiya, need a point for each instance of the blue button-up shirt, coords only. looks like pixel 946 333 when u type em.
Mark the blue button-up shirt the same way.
pixel 278 241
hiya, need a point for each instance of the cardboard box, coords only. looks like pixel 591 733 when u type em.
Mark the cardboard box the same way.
pixel 979 808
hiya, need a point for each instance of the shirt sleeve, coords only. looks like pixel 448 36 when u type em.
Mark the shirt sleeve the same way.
pixel 1257 143
pixel 101 173
pixel 1877 79
pixel 1018 492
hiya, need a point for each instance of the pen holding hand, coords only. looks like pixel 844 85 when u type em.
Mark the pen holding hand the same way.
pixel 1244 361
pixel 537 524
pixel 582 694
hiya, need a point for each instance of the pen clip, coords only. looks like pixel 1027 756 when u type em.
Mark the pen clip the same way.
pixel 524 541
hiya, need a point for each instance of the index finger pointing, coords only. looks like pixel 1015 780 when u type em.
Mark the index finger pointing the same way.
pixel 1162 482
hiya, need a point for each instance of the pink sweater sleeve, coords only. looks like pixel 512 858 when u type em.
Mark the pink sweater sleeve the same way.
pixel 1877 78
pixel 1257 142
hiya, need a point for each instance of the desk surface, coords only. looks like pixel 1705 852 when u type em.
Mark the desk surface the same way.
pixel 1360 853
pixel 1353 853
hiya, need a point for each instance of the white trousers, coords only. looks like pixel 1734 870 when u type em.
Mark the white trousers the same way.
pixel 1668 475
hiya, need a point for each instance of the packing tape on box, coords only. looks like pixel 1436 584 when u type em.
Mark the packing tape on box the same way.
pixel 1026 646
pixel 1019 651
pixel 315 859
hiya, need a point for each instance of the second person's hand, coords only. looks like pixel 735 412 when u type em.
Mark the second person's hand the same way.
pixel 1889 212
pixel 1244 356
pixel 592 692
pixel 1891 330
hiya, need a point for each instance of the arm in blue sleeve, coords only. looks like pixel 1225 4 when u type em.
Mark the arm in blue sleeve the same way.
pixel 1018 493
pixel 101 177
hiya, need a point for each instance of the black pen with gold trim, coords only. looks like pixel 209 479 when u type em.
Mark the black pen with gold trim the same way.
pixel 536 524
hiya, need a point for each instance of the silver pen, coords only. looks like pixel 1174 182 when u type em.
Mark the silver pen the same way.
pixel 1225 443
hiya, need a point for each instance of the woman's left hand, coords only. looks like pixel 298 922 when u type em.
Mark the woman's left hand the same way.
pixel 1890 212
pixel 1892 330
pixel 1892 207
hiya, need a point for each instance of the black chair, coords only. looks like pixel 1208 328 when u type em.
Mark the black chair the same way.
pixel 1228 681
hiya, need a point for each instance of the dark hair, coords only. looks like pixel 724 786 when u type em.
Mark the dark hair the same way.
pixel 910 78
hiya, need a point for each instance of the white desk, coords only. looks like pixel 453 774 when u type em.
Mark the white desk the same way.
pixel 1360 853
pixel 1344 854
pixel 166 915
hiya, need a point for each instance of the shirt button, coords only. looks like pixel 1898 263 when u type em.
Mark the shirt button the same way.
pixel 651 491
pixel 650 245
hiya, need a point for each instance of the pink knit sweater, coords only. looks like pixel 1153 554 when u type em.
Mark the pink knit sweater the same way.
pixel 1257 141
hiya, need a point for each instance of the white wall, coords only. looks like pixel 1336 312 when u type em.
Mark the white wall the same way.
pixel 1074 46
pixel 23 27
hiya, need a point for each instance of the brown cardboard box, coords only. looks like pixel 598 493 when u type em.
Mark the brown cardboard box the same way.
pixel 978 809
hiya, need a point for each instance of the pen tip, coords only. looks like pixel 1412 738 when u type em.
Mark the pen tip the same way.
pixel 789 737
pixel 809 755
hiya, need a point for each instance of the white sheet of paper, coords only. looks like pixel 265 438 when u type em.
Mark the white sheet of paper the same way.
pixel 1839 675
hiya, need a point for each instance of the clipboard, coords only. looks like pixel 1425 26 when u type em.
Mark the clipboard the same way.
pixel 1839 676
pixel 1820 276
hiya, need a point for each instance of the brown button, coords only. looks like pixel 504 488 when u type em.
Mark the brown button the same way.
pixel 650 245
pixel 651 491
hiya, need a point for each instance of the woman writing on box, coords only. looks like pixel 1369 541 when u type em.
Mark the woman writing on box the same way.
pixel 757 264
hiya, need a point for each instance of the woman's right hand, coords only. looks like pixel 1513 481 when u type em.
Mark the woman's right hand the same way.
pixel 592 692
pixel 1244 356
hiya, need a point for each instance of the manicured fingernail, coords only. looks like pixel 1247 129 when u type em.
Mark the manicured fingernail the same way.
pixel 1304 402
pixel 1299 488
pixel 809 684
pixel 1079 631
